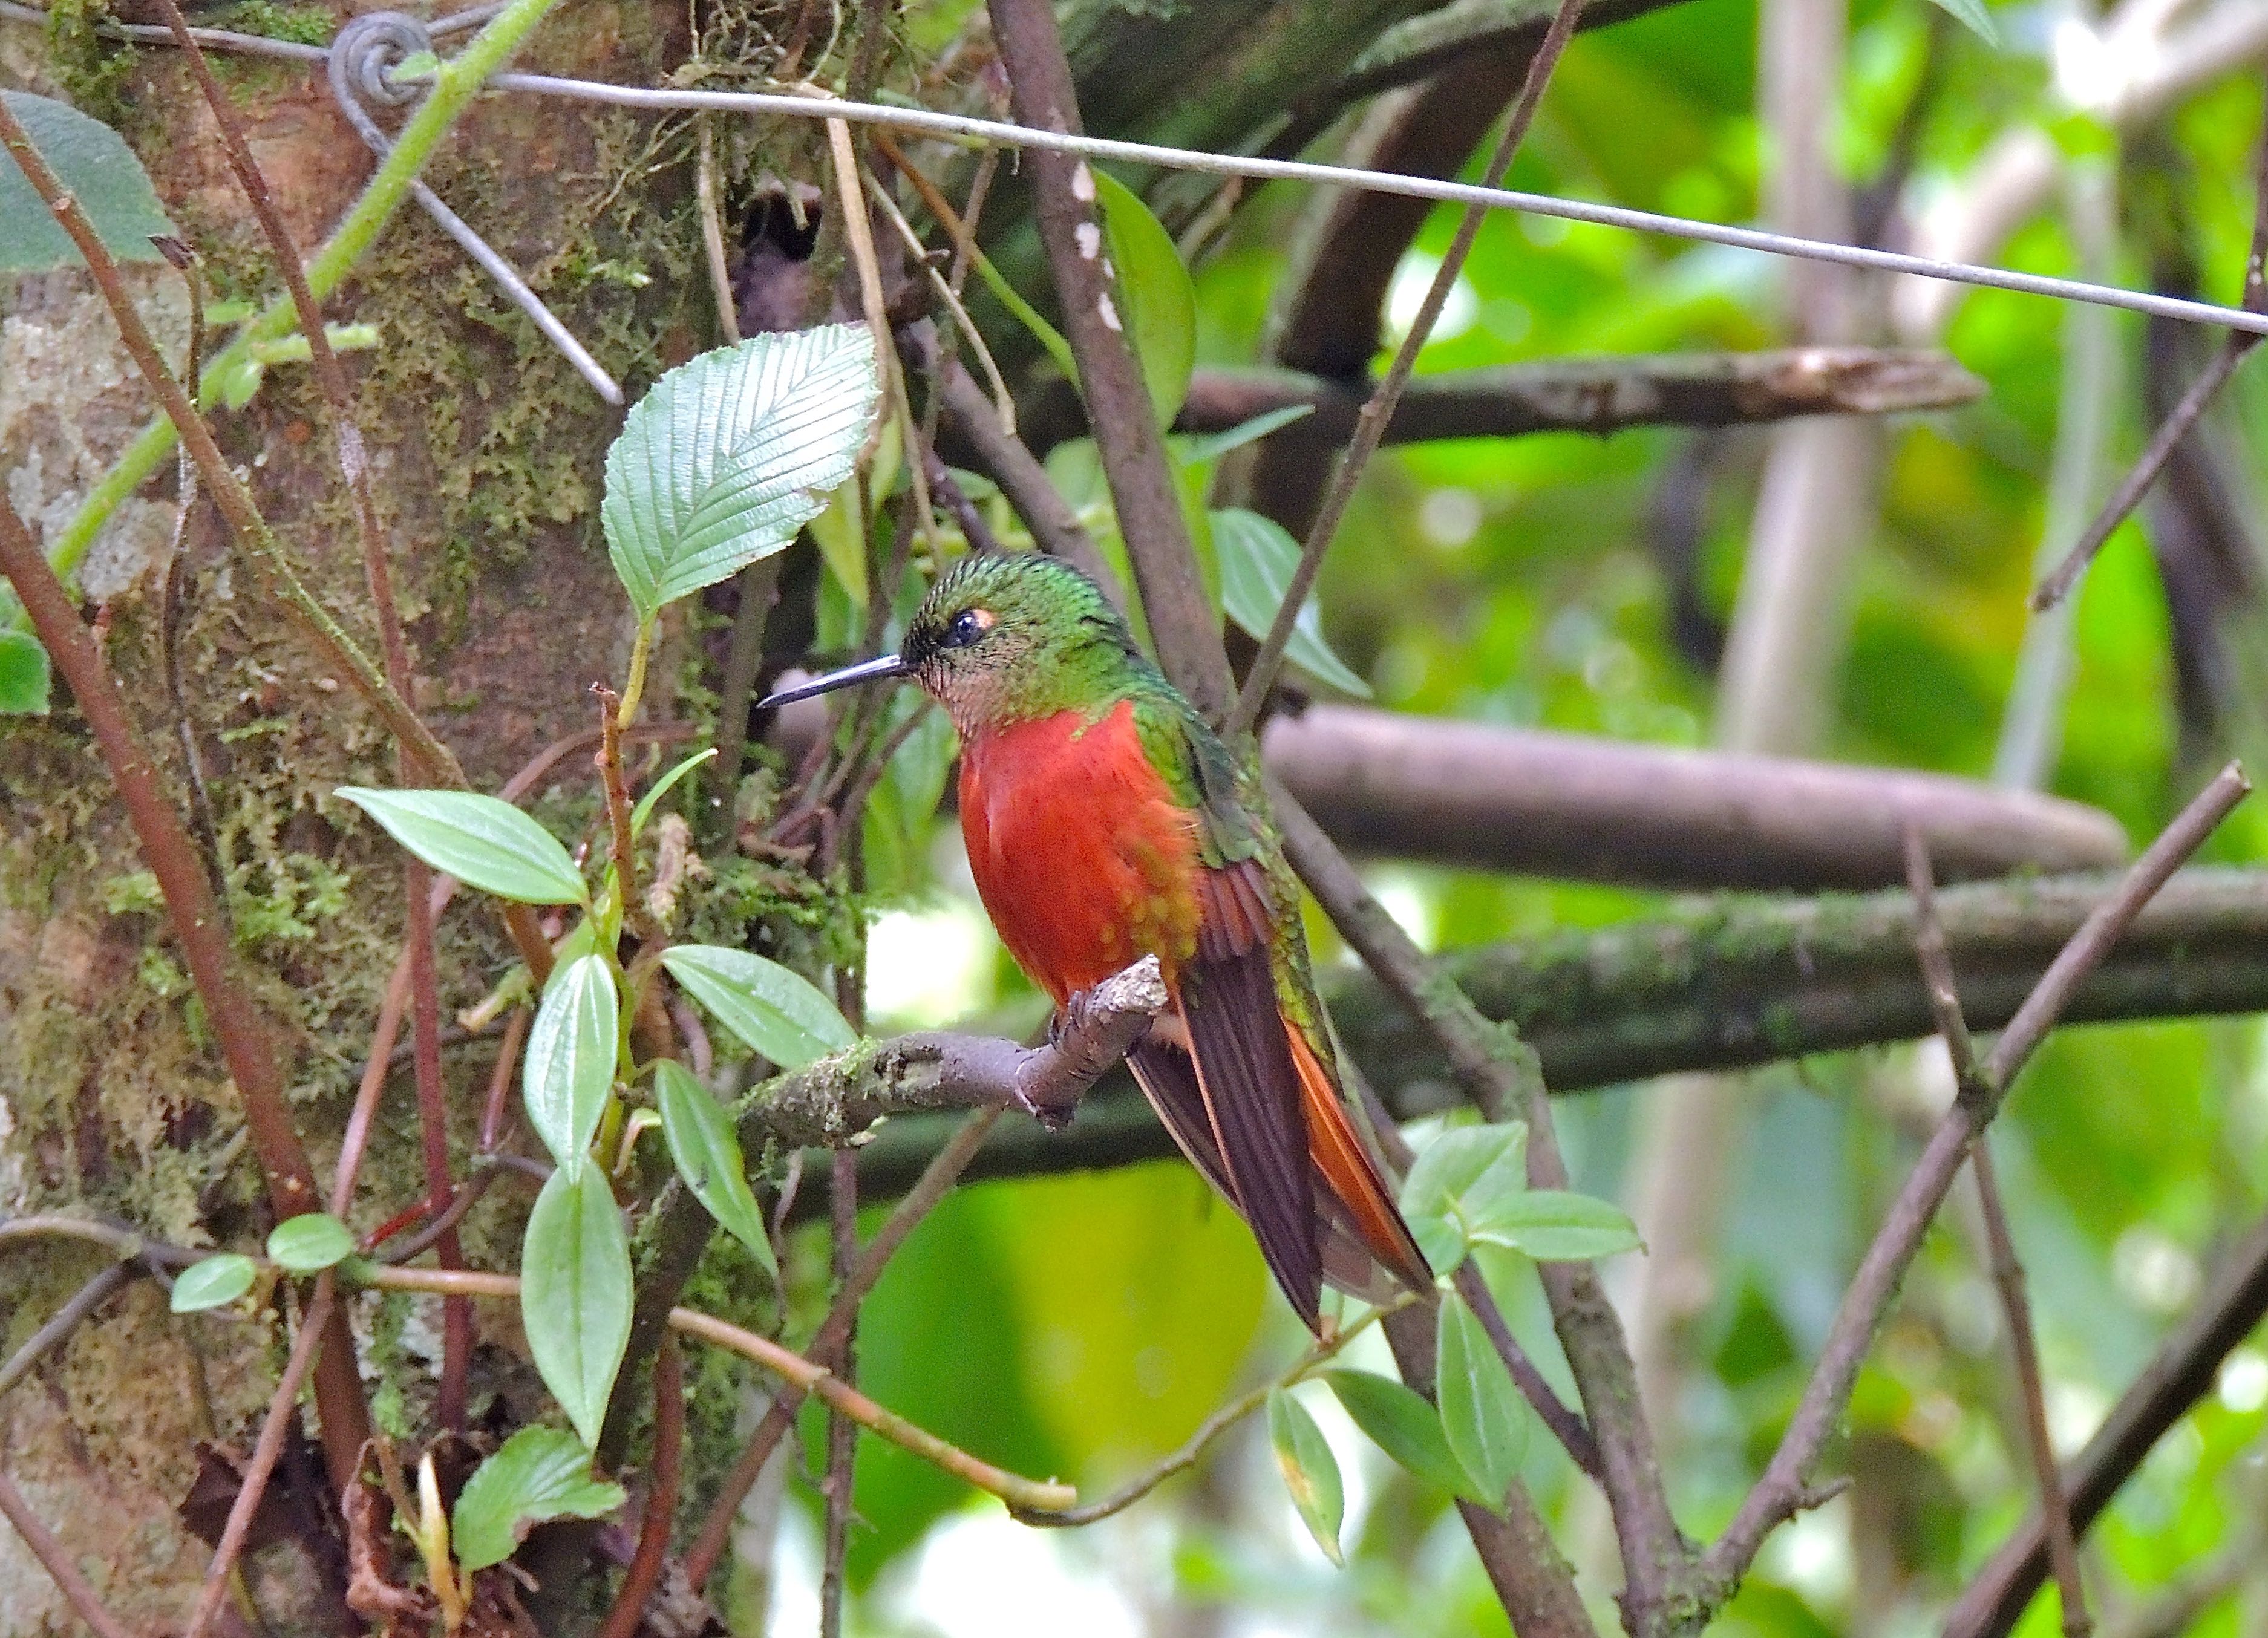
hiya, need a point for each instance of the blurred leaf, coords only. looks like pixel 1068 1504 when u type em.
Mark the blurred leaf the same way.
pixel 1199 449
pixel 662 787
pixel 1971 15
pixel 1257 558
pixel 1483 1414
pixel 575 1293
pixel 1400 1422
pixel 1551 1225
pixel 480 840
pixel 98 170
pixel 1464 1171
pixel 776 1012
pixel 1160 317
pixel 24 678
pixel 539 1474
pixel 212 1281
pixel 573 1049
pixel 707 1154
pixel 1311 1473
pixel 729 454
pixel 310 1243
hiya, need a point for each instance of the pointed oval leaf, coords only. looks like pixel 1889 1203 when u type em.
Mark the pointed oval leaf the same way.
pixel 1160 304
pixel 774 1011
pixel 729 454
pixel 539 1474
pixel 707 1154
pixel 1400 1422
pixel 1464 1164
pixel 662 787
pixel 1483 1415
pixel 1198 449
pixel 572 1051
pixel 483 841
pixel 1257 561
pixel 95 164
pixel 1311 1473
pixel 212 1281
pixel 1552 1225
pixel 575 1293
pixel 310 1243
pixel 26 679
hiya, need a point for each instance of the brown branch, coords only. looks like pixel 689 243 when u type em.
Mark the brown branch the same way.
pixel 238 1028
pixel 644 1572
pixel 1182 621
pixel 1786 1487
pixel 1500 1074
pixel 618 847
pixel 2008 1269
pixel 1370 425
pixel 281 1406
pixel 55 1558
pixel 842 1432
pixel 1599 395
pixel 2234 348
pixel 62 1322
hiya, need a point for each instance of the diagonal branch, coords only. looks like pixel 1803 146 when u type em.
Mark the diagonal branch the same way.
pixel 55 1558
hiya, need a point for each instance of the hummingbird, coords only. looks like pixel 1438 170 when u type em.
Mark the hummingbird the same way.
pixel 1106 821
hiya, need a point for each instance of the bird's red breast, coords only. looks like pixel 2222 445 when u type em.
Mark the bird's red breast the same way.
pixel 1084 861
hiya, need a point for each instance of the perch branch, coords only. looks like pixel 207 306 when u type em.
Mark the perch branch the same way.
pixel 56 1561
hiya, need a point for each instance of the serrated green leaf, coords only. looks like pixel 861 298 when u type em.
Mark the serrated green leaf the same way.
pixel 1552 1225
pixel 1400 1422
pixel 729 454
pixel 662 787
pixel 483 842
pixel 1462 1167
pixel 540 1473
pixel 26 680
pixel 1257 561
pixel 1311 1473
pixel 706 1151
pixel 573 1048
pixel 212 1281
pixel 1971 15
pixel 1482 1416
pixel 774 1011
pixel 1199 449
pixel 1160 302
pixel 575 1293
pixel 95 164
pixel 310 1243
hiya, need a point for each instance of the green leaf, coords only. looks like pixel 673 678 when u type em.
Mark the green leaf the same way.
pixel 1311 1473
pixel 774 1011
pixel 1551 1225
pixel 1972 16
pixel 480 840
pixel 575 1293
pixel 1007 294
pixel 212 1281
pixel 1401 1423
pixel 1198 449
pixel 1483 1415
pixel 94 163
pixel 1465 1168
pixel 707 1154
pixel 311 1242
pixel 572 1051
pixel 651 800
pixel 1161 316
pixel 729 454
pixel 539 1474
pixel 1257 561
pixel 25 681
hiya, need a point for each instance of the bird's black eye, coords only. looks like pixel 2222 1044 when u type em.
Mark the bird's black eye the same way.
pixel 967 627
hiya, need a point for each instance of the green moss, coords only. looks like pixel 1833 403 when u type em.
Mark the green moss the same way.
pixel 302 25
pixel 93 70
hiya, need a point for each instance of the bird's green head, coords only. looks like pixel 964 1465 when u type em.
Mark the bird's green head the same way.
pixel 1003 637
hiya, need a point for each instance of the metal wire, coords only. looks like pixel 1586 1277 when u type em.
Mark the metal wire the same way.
pixel 818 105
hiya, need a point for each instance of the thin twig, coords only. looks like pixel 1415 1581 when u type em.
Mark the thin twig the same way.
pixel 620 847
pixel 712 236
pixel 644 1572
pixel 1370 426
pixel 62 1322
pixel 2234 348
pixel 842 1432
pixel 1055 528
pixel 282 1404
pixel 826 1344
pixel 56 1561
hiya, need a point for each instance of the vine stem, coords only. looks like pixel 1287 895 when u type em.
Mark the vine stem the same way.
pixel 56 1559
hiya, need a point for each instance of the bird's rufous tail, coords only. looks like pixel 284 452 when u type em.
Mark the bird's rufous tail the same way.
pixel 1344 1165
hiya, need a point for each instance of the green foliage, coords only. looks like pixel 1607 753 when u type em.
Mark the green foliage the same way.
pixel 1401 1423
pixel 573 1051
pixel 24 680
pixel 1257 558
pixel 575 1293
pixel 1463 1174
pixel 483 842
pixel 1482 1416
pixel 98 170
pixel 774 1011
pixel 310 1243
pixel 1552 1225
pixel 537 1474
pixel 1311 1473
pixel 212 1282
pixel 1154 289
pixel 660 788
pixel 729 455
pixel 706 1151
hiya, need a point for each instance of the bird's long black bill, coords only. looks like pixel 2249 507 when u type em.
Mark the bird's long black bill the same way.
pixel 889 667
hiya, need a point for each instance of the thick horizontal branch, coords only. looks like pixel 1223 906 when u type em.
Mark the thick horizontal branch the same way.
pixel 1601 394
